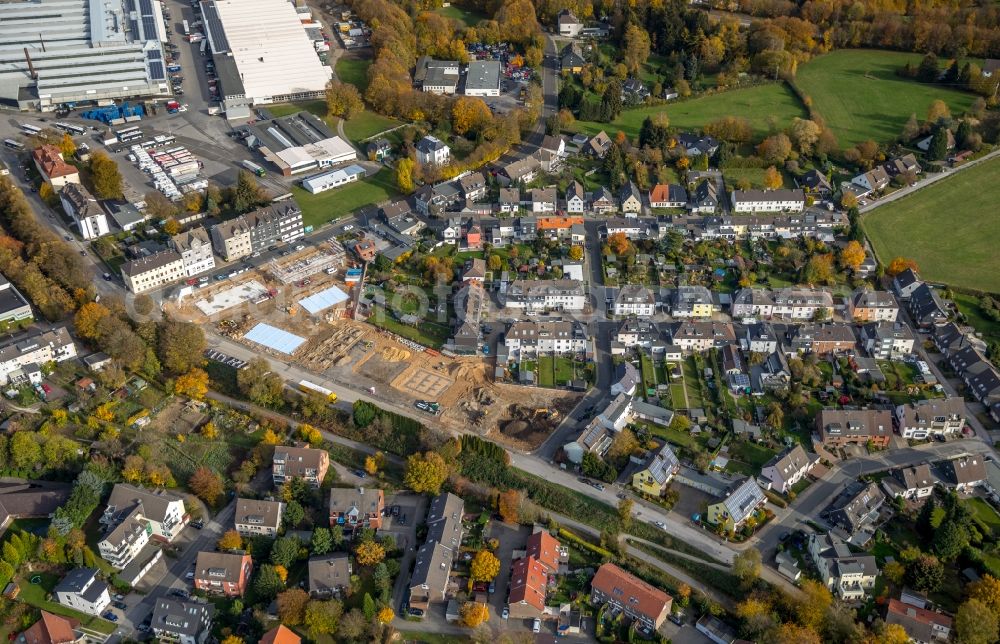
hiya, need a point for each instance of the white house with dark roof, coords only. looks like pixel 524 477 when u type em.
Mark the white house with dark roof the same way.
pixel 910 482
pixel 966 473
pixel 569 24
pixel 847 575
pixel 905 283
pixel 431 150
pixel 934 417
pixel 783 200
pixel 81 590
pixel 182 622
pixel 785 470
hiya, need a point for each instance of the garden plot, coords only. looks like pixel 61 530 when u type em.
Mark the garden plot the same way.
pixel 234 296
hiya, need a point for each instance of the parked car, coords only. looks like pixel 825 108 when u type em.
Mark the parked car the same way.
pixel 120 605
pixel 416 612
pixel 198 525
pixel 108 615
pixel 505 614
pixel 536 626
pixel 361 474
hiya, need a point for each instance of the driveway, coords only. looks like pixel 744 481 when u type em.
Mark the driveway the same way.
pixel 511 537
pixel 414 508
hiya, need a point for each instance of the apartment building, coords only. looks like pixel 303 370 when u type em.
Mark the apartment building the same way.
pixel 54 170
pixel 702 335
pixel 153 271
pixel 745 201
pixel 634 300
pixel 847 575
pixel 256 518
pixel 256 231
pixel 182 622
pixel 629 594
pixel 936 417
pixel 304 463
pixel 356 508
pixel 529 338
pixel 785 470
pixel 692 302
pixel 839 427
pixel 886 340
pixel 195 249
pixel 542 295
pixel 83 208
pixel 866 305
pixel 223 573
pixel 161 510
pixel 22 356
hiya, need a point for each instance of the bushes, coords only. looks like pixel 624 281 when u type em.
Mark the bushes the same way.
pixel 476 445
pixel 83 500
pixel 586 545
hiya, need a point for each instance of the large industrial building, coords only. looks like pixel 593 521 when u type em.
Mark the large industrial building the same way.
pixel 299 143
pixel 262 54
pixel 72 51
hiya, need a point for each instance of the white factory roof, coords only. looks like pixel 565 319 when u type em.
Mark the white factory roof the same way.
pixel 272 52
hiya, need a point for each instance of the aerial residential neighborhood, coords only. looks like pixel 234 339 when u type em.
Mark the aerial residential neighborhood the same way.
pixel 499 321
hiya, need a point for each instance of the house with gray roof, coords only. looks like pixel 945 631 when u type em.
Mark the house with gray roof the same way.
pixel 738 505
pixel 182 622
pixel 329 575
pixel 847 575
pixel 787 469
pixel 81 590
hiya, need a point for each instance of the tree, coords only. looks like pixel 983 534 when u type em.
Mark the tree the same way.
pixel 474 614
pixel 292 606
pixel 852 255
pixel 369 553
pixel 747 566
pixel 385 615
pixel 911 129
pixel 888 634
pixel 48 194
pixel 900 264
pixel 789 633
pixel 757 616
pixel 925 573
pixel 469 115
pixel 144 304
pixel 343 99
pixel 285 551
pixel 230 540
pixel 576 253
pixel 181 346
pixel 625 512
pixel 986 590
pixel 772 178
pixel 25 451
pixel 425 473
pixel 611 102
pixel 206 484
pixel 368 607
pixel 105 176
pixel 322 541
pixel 509 505
pixel 247 194
pixel 193 384
pixel 232 639
pixel 636 48
pixel 321 617
pixel 937 110
pixel 805 134
pixel 485 566
pixel 159 207
pixel 404 175
pixel 848 200
pixel 976 623
pixel 268 583
pixel 938 149
pixel 352 626
pixel 258 382
pixel 619 244
pixel 67 146
pixel 816 600
pixel 819 269
pixel 949 540
pixel 775 149
pixel 775 415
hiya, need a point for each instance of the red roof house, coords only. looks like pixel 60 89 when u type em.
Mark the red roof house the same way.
pixel 528 581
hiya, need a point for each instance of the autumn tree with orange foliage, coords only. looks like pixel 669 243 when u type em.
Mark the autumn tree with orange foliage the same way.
pixel 852 255
pixel 230 540
pixel 509 506
pixel 900 264
pixel 193 384
pixel 619 243
pixel 206 484
pixel 469 115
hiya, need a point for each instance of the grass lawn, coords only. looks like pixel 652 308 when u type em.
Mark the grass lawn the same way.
pixel 952 237
pixel 354 71
pixel 969 306
pixel 859 94
pixel 675 436
pixel 755 103
pixel 677 396
pixel 34 595
pixel 366 125
pixel 565 370
pixel 984 512
pixel 751 454
pixel 429 334
pixel 546 372
pixel 465 16
pixel 326 206
pixel 754 175
pixel 278 110
pixel 691 380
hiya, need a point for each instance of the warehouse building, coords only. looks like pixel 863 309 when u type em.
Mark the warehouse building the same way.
pixel 483 78
pixel 333 179
pixel 65 51
pixel 299 143
pixel 262 54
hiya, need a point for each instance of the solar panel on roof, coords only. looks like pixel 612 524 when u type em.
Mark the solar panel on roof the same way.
pixel 148 27
pixel 154 54
pixel 146 7
pixel 156 70
pixel 133 26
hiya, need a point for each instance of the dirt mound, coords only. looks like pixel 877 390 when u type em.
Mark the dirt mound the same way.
pixel 393 354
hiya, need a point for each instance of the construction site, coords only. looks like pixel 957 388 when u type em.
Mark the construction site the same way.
pixel 296 309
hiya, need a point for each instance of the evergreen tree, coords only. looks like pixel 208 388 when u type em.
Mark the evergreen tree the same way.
pixel 962 134
pixel 611 102
pixel 951 76
pixel 928 71
pixel 938 149
pixel 925 519
pixel 949 540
